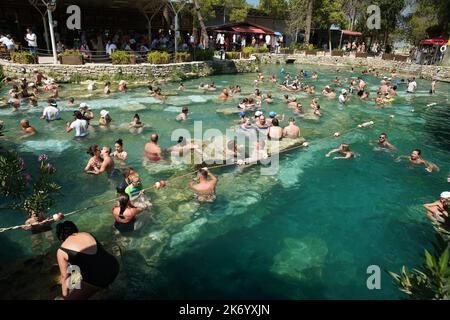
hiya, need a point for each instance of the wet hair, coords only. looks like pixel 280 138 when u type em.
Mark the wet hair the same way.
pixel 180 139
pixel 71 100
pixel 136 116
pixel 383 134
pixel 78 114
pixel 92 149
pixel 418 151
pixel 65 229
pixel 203 172
pixel 394 87
pixel 107 83
pixel 275 122
pixel 154 137
pixel 124 199
pixel 119 142
pixel 345 147
pixel 51 100
pixel 185 110
pixel 291 119
pixel 126 172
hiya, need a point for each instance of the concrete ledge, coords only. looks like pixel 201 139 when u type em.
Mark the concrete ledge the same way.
pixel 144 71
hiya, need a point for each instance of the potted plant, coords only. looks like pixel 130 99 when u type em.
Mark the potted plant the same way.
pixel 122 57
pixel 183 57
pixel 22 57
pixel 158 57
pixel 337 53
pixel 73 57
pixel 263 49
pixel 232 55
pixel 247 51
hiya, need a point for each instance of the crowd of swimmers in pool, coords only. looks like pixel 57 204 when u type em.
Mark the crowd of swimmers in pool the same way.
pixel 99 268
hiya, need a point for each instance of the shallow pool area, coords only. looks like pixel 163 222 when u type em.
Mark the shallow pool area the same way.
pixel 308 232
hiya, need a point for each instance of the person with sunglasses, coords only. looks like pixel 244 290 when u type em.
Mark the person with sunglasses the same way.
pixel 382 142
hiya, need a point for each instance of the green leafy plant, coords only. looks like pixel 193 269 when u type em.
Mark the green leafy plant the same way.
pixel 23 57
pixel 204 55
pixel 15 184
pixel 263 49
pixel 12 175
pixel 183 57
pixel 247 51
pixel 158 57
pixel 120 57
pixel 433 282
pixel 301 46
pixel 41 198
pixel 232 55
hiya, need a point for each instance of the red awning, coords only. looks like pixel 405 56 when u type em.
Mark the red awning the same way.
pixel 438 41
pixel 241 27
pixel 352 33
pixel 249 29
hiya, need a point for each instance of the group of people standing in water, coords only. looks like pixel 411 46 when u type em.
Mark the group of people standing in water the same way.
pixel 98 267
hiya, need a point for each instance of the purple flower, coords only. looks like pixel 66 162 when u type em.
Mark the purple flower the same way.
pixel 50 168
pixel 21 163
pixel 42 157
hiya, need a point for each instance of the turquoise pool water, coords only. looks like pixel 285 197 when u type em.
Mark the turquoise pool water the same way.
pixel 309 232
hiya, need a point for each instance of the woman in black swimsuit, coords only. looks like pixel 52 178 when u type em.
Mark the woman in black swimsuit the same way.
pixel 80 251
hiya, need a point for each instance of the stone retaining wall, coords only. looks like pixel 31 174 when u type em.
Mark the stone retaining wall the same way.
pixel 145 71
pixel 425 72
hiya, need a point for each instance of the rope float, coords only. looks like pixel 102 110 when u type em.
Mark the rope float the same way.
pixel 160 184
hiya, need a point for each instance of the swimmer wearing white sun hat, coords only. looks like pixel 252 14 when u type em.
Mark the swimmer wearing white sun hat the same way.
pixel 438 211
pixel 105 118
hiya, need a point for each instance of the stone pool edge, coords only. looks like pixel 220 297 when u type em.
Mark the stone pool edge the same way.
pixel 136 72
pixel 420 71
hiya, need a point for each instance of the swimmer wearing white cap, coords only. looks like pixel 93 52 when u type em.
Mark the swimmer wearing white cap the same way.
pixel 105 118
pixel 343 98
pixel 438 211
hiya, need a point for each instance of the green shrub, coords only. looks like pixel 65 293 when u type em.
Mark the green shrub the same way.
pixel 158 57
pixel 70 53
pixel 301 46
pixel 204 55
pixel 183 57
pixel 263 49
pixel 120 57
pixel 232 55
pixel 23 57
pixel 247 51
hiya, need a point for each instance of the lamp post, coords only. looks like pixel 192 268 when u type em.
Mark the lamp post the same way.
pixel 181 4
pixel 51 6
